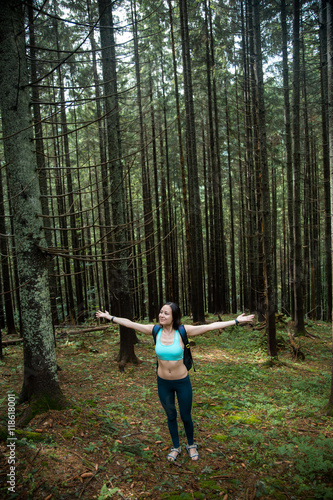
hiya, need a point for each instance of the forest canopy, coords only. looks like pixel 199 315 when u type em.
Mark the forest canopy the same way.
pixel 182 153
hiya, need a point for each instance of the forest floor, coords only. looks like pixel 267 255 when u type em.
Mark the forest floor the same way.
pixel 261 427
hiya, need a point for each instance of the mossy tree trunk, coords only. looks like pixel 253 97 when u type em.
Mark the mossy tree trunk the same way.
pixel 40 385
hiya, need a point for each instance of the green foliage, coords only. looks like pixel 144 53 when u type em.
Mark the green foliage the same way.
pixel 106 492
pixel 108 426
pixel 93 447
pixel 312 458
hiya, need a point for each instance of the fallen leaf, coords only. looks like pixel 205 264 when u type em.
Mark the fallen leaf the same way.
pixel 86 474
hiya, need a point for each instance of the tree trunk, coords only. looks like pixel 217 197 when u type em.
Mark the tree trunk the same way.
pixel 10 323
pixel 219 284
pixel 40 158
pixel 171 240
pixel 265 190
pixel 196 267
pixel 40 385
pixel 242 261
pixel 159 272
pixel 166 236
pixel 181 152
pixel 79 311
pixel 102 153
pixel 326 157
pixel 288 300
pixel 153 306
pixel 119 282
pixel 330 121
pixel 258 278
pixel 297 234
pixel 250 222
pixel 231 204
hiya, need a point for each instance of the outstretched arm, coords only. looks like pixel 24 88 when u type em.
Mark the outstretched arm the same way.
pixel 193 330
pixel 127 323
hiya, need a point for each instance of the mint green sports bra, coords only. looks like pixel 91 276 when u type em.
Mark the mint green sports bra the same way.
pixel 173 352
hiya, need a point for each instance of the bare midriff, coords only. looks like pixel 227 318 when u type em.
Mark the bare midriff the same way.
pixel 171 370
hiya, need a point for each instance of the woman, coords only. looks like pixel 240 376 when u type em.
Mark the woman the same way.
pixel 172 375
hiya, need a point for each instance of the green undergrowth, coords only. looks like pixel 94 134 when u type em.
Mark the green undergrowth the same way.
pixel 261 427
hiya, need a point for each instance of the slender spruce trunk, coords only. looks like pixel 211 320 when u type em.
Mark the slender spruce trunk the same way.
pixel 119 271
pixel 326 157
pixel 153 305
pixel 288 298
pixel 330 121
pixel 196 247
pixel 297 234
pixel 268 245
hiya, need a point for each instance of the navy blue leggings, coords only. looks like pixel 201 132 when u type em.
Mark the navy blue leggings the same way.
pixel 166 391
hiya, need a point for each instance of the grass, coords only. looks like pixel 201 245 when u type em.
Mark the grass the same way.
pixel 261 428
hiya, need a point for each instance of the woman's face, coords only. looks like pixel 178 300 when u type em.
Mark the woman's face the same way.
pixel 165 316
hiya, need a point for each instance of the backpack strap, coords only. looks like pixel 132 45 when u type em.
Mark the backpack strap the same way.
pixel 155 331
pixel 183 334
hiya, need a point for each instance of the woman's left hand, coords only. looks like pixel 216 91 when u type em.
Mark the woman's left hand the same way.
pixel 101 314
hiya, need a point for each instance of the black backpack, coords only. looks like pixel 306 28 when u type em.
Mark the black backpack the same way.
pixel 188 360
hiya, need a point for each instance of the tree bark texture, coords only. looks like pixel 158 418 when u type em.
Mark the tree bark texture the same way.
pixel 330 121
pixel 196 268
pixel 40 385
pixel 288 302
pixel 268 247
pixel 119 276
pixel 298 264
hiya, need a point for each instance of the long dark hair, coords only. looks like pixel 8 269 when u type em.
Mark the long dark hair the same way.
pixel 176 314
